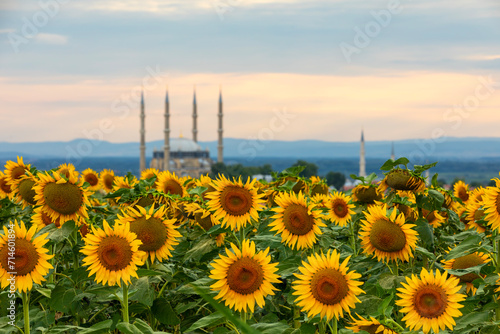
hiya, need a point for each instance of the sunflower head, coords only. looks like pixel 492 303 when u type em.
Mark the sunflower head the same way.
pixel 244 277
pixel 157 233
pixel 14 170
pixel 402 179
pixel 92 178
pixel 112 254
pixel 235 203
pixel 464 262
pixel 387 237
pixel 325 287
pixel 66 170
pixel 170 184
pixel 319 189
pixel 372 326
pixel 340 210
pixel 491 204
pixel 5 188
pixel 366 194
pixel 107 178
pixel 30 258
pixel 24 189
pixel 461 190
pixel 61 198
pixel 296 220
pixel 430 301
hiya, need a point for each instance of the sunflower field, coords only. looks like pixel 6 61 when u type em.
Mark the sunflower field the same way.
pixel 88 252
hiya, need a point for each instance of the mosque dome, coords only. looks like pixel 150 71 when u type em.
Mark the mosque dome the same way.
pixel 184 145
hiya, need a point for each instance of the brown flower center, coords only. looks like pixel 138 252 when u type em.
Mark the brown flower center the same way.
pixel 5 186
pixel 152 232
pixel 17 172
pixel 245 276
pixel 115 253
pixel 463 194
pixel 172 187
pixel 372 329
pixel 329 286
pixel 26 191
pixel 297 220
pixel 430 301
pixel 205 222
pixel 237 201
pixel 25 257
pixel 64 198
pixel 92 179
pixel 387 236
pixel 340 208
pixel 108 181
pixel 478 214
pixel 367 194
pixel 497 202
pixel 465 262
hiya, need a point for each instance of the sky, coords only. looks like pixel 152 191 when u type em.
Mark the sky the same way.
pixel 287 69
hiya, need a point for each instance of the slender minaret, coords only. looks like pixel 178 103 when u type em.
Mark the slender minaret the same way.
pixel 142 163
pixel 166 147
pixel 362 163
pixel 195 116
pixel 393 156
pixel 220 147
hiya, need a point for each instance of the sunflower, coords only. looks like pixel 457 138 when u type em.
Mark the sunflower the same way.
pixel 464 262
pixel 402 179
pixel 296 220
pixel 107 178
pixel 149 173
pixel 23 188
pixel 235 203
pixel 474 216
pixel 205 181
pixel 124 182
pixel 461 190
pixel 62 199
pixel 339 209
pixel 431 301
pixel 367 194
pixel 5 188
pixel 40 219
pixel 30 258
pixel 13 170
pixel 112 254
pixel 388 238
pixel 244 277
pixel 158 234
pixel 201 216
pixel 92 178
pixel 372 326
pixel 491 203
pixel 66 170
pixel 325 286
pixel 169 183
pixel 433 217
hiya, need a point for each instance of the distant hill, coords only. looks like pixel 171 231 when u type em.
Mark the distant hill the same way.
pixel 418 150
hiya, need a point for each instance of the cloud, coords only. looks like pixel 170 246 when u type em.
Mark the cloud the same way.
pixel 53 39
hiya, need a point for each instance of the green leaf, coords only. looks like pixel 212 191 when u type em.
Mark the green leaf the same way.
pixel 127 328
pixel 60 234
pixel 61 298
pixel 201 248
pixel 467 246
pixel 143 292
pixel 148 272
pixel 418 169
pixel 437 197
pixel 472 318
pixel 101 327
pixel 287 186
pixel 44 291
pixel 390 164
pixel 162 310
pixel 210 320
pixel 143 326
pixel 425 252
pixel 245 329
pixel 307 328
pixel 425 233
pixel 273 328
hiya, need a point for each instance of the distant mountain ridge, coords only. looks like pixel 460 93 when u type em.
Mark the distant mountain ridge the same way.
pixel 420 150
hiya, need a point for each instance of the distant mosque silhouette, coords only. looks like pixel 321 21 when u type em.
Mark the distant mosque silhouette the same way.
pixel 182 156
pixel 362 153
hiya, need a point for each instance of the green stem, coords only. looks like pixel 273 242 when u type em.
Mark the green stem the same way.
pixel 162 289
pixel 395 268
pixel 125 303
pixel 333 328
pixel 26 311
pixel 353 239
pixel 296 316
pixel 52 262
pixel 322 326
pixel 389 320
pixel 497 243
pixel 243 316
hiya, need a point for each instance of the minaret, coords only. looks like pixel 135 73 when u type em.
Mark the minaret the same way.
pixel 166 147
pixel 195 116
pixel 393 156
pixel 362 163
pixel 220 147
pixel 142 163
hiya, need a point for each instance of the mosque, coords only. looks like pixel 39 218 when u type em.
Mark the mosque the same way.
pixel 181 156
